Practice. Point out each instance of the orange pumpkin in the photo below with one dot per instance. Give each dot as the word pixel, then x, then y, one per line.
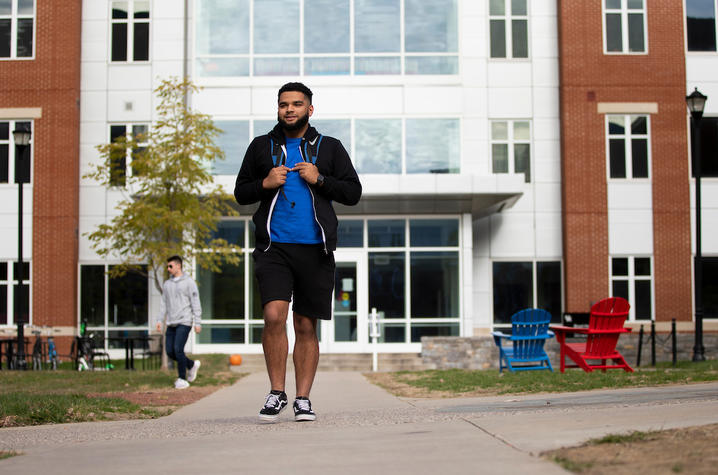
pixel 235 360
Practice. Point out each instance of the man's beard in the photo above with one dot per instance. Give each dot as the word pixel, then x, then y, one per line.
pixel 298 124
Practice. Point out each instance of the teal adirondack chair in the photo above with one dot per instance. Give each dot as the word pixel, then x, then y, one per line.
pixel 529 332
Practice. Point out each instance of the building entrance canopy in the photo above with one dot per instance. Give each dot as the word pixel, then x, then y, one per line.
pixel 430 194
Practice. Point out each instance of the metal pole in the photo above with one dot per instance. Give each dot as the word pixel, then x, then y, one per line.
pixel 673 340
pixel 22 364
pixel 653 343
pixel 698 349
pixel 640 346
pixel 374 333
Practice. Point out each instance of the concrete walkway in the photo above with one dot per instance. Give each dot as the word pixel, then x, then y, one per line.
pixel 360 429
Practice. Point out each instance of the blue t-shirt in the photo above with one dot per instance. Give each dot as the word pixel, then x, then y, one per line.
pixel 294 224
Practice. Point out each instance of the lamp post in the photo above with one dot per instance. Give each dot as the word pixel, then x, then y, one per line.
pixel 21 136
pixel 696 102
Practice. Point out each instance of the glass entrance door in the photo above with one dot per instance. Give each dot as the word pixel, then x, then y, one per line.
pixel 347 331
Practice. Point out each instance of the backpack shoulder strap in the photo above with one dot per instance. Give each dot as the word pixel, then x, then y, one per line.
pixel 311 149
pixel 276 151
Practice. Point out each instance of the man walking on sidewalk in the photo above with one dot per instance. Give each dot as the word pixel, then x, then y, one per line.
pixel 295 173
pixel 180 310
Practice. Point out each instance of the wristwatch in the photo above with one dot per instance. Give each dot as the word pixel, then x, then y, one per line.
pixel 320 180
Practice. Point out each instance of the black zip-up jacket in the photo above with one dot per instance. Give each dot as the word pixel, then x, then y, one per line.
pixel 341 183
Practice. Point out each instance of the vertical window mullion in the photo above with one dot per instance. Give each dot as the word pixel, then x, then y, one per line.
pixel 407 282
pixel 352 56
pixel 402 40
pixel 301 37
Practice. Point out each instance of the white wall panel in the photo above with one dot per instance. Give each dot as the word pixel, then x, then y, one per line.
pixel 94 40
pixel 141 108
pixel 547 161
pixel 630 231
pixel 549 240
pixel 223 102
pixel 433 100
pixel 510 103
pixel 512 235
pixel 545 72
pixel 93 76
pixel 93 106
pixel 546 103
pixel 629 195
pixel 129 77
pixel 94 202
pixel 357 101
pixel 506 74
pixel 165 70
pixel 548 197
pixel 94 10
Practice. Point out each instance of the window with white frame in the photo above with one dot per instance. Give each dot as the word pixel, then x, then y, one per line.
pixel 511 147
pixel 12 169
pixel 391 145
pixel 631 278
pixel 326 37
pixel 113 307
pixel 624 26
pixel 526 284
pixel 701 25
pixel 121 161
pixel 231 304
pixel 130 31
pixel 508 28
pixel 11 292
pixel 628 146
pixel 17 29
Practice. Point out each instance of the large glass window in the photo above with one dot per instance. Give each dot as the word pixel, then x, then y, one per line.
pixel 233 141
pixel 108 303
pixel 708 147
pixel 628 150
pixel 710 287
pixel 631 278
pixel 326 37
pixel 520 285
pixel 231 305
pixel 130 31
pixel 414 278
pixel 701 25
pixel 511 147
pixel 508 28
pixel 11 293
pixel 13 167
pixel 624 26
pixel 17 29
pixel 121 161
pixel 432 146
pixel 378 146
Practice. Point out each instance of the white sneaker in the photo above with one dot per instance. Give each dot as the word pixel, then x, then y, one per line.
pixel 192 372
pixel 181 384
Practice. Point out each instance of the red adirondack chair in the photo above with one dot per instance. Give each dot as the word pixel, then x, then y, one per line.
pixel 605 325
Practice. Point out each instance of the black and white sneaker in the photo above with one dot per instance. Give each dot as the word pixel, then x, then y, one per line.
pixel 303 410
pixel 275 402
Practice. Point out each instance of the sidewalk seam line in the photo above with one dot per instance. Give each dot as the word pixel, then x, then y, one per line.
pixel 496 436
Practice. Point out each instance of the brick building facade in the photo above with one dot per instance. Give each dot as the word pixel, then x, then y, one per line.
pixel 44 89
pixel 596 83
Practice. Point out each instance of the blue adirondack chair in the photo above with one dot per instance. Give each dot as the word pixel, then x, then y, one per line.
pixel 529 332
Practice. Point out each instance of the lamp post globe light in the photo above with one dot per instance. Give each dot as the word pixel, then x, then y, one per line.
pixel 21 137
pixel 696 103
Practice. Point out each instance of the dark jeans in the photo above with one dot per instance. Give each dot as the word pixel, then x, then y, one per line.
pixel 176 337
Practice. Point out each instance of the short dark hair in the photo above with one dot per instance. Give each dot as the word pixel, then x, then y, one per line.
pixel 298 87
pixel 175 259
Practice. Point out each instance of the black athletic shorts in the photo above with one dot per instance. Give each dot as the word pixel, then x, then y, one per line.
pixel 304 271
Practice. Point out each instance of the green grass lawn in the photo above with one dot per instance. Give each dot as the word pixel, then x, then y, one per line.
pixel 65 395
pixel 459 382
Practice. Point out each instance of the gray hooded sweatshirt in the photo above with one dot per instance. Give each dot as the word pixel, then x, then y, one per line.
pixel 180 302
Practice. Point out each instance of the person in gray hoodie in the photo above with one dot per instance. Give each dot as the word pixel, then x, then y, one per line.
pixel 180 310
